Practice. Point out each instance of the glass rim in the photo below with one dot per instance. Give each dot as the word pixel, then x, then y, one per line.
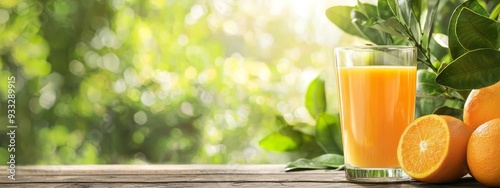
pixel 375 47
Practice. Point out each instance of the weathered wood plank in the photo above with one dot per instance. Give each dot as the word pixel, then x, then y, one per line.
pixel 208 185
pixel 189 176
pixel 297 177
pixel 146 169
pixel 331 178
pixel 237 184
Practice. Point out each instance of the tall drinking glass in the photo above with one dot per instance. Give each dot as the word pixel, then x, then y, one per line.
pixel 377 88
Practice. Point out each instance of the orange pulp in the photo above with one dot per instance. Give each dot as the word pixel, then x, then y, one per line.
pixel 377 103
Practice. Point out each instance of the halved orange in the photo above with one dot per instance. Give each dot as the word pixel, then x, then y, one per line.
pixel 433 149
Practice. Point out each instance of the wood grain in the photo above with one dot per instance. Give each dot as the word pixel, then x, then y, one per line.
pixel 189 176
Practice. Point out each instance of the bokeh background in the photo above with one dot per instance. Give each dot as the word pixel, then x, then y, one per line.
pixel 160 81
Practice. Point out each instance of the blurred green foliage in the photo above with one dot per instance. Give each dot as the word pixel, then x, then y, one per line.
pixel 129 81
pixel 324 138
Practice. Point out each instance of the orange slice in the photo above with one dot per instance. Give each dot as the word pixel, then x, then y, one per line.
pixel 433 149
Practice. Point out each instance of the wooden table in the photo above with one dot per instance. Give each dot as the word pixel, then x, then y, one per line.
pixel 189 176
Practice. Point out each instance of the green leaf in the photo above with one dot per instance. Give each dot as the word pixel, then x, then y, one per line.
pixel 440 50
pixel 495 12
pixel 341 17
pixel 328 133
pixel 408 19
pixel 416 7
pixel 369 33
pixel 384 10
pixel 454 103
pixel 305 128
pixel 475 31
pixel 278 142
pixel 322 162
pixel 395 25
pixel 419 9
pixel 361 8
pixel 366 13
pixel 429 26
pixel 288 130
pixel 445 110
pixel 286 139
pixel 456 49
pixel 393 6
pixel 461 94
pixel 309 146
pixel 316 97
pixel 281 122
pixel 357 15
pixel 426 83
pixel 405 9
pixel 473 70
pixel 427 105
pixel 304 164
pixel 388 30
pixel 441 39
pixel 364 16
pixel 368 10
pixel 330 160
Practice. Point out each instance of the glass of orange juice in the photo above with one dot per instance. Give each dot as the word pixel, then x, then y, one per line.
pixel 377 88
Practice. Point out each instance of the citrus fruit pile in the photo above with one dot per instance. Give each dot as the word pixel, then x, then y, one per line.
pixel 442 149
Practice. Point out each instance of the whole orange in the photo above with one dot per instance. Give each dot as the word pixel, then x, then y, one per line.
pixel 483 153
pixel 433 149
pixel 482 105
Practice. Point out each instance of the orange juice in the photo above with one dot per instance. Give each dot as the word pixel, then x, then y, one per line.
pixel 377 103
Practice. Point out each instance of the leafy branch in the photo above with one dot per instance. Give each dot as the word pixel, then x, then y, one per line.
pixel 412 22
pixel 465 58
